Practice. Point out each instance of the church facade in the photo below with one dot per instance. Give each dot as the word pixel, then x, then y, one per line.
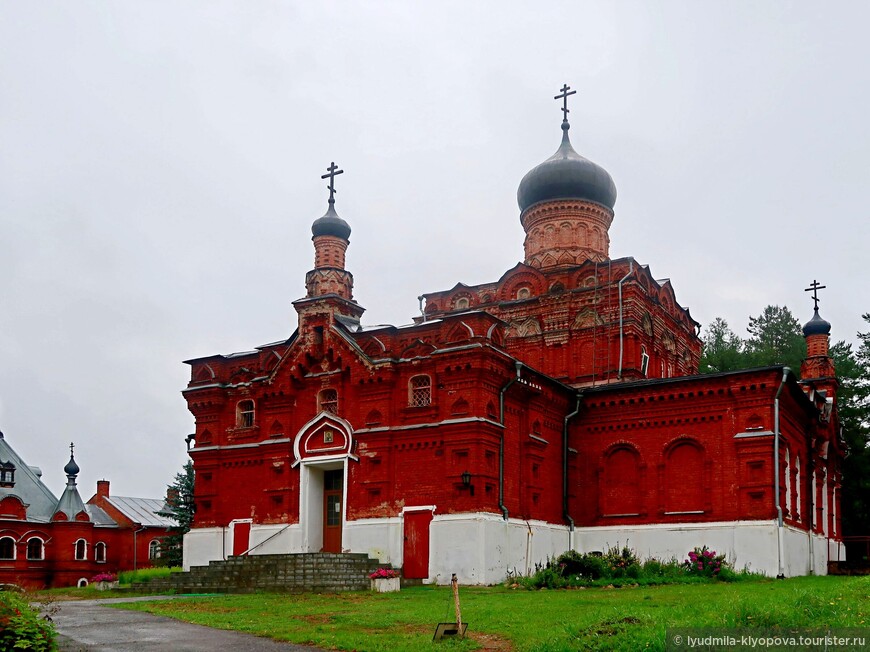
pixel 556 408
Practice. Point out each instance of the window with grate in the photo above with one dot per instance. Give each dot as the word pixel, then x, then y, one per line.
pixel 328 399
pixel 420 391
pixel 245 418
pixel 35 549
pixel 154 549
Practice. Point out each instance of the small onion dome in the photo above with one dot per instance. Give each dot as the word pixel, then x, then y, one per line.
pixel 566 175
pixel 71 467
pixel 817 326
pixel 331 224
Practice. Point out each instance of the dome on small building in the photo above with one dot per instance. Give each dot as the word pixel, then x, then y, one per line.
pixel 331 224
pixel 817 326
pixel 566 175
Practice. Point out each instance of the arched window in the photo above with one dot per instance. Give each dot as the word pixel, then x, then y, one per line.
pixel 620 490
pixel 523 293
pixel 100 552
pixel 245 414
pixel 684 478
pixel 328 401
pixel 35 549
pixel 420 391
pixel 7 548
pixel 787 481
pixel 154 549
pixel 81 550
pixel 462 303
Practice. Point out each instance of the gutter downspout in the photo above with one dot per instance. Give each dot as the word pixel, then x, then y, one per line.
pixel 619 286
pixel 811 471
pixel 565 513
pixel 780 574
pixel 501 505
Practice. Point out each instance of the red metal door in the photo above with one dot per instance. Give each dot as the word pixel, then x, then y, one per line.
pixel 241 537
pixel 333 482
pixel 416 548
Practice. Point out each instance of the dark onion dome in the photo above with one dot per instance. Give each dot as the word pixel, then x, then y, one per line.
pixel 71 467
pixel 566 175
pixel 331 224
pixel 817 326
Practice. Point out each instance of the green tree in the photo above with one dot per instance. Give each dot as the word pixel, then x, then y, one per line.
pixel 775 337
pixel 180 507
pixel 723 349
pixel 853 407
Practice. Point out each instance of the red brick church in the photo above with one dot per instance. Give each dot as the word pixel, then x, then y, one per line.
pixel 47 541
pixel 559 407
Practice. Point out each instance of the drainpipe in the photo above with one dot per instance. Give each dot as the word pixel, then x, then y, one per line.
pixel 619 286
pixel 565 513
pixel 501 505
pixel 811 469
pixel 780 574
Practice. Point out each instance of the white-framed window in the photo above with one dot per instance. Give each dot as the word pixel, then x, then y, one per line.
pixel 81 551
pixel 154 549
pixel 7 474
pixel 644 361
pixel 7 548
pixel 245 414
pixel 420 391
pixel 100 552
pixel 35 549
pixel 327 400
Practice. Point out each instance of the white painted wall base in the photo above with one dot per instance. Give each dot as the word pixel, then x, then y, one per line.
pixel 482 548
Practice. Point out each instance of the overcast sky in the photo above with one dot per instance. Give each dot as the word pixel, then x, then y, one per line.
pixel 160 169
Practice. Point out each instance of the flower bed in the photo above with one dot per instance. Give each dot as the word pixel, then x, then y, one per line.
pixel 385 580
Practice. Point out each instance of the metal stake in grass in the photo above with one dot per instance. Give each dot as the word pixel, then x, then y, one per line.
pixel 452 630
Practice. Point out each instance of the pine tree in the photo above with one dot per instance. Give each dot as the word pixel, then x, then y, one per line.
pixel 853 406
pixel 180 507
pixel 723 349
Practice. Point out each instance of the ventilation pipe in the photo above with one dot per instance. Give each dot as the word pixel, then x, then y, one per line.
pixel 780 574
pixel 501 505
pixel 619 286
pixel 565 513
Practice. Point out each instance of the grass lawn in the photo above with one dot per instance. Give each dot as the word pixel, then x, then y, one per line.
pixel 514 619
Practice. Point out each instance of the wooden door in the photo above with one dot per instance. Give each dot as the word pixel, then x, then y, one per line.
pixel 416 545
pixel 333 482
pixel 241 537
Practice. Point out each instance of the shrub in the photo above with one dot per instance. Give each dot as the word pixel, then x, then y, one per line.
pixel 587 566
pixel 21 627
pixel 703 561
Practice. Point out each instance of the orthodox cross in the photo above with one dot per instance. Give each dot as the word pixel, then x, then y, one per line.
pixel 71 447
pixel 333 172
pixel 564 97
pixel 814 288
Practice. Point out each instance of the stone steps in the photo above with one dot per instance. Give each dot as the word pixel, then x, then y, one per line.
pixel 320 572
